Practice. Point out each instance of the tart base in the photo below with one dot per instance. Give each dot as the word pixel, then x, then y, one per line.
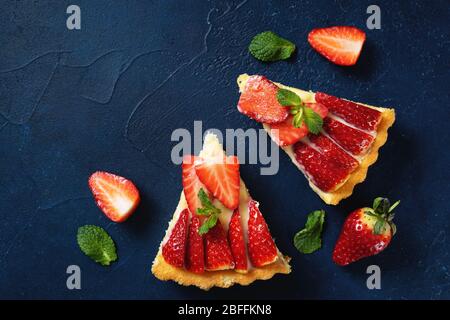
pixel 360 174
pixel 208 279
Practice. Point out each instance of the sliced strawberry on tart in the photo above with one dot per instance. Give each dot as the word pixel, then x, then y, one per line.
pixel 217 236
pixel 332 141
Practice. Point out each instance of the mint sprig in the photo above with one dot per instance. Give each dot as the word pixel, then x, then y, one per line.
pixel 300 111
pixel 268 46
pixel 208 210
pixel 309 239
pixel 96 243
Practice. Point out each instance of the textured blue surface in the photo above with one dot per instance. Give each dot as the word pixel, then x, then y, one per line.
pixel 108 97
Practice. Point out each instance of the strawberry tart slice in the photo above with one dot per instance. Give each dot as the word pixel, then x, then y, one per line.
pixel 217 236
pixel 332 141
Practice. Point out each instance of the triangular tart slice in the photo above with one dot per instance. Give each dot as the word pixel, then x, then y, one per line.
pixel 239 249
pixel 338 157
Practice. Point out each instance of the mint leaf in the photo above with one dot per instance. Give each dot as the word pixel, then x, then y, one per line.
pixel 96 243
pixel 312 120
pixel 308 239
pixel 301 112
pixel 288 98
pixel 208 210
pixel 208 224
pixel 298 118
pixel 268 46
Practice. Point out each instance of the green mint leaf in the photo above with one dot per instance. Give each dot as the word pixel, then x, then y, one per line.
pixel 208 210
pixel 96 243
pixel 309 239
pixel 288 98
pixel 268 46
pixel 378 228
pixel 208 224
pixel 312 119
pixel 298 118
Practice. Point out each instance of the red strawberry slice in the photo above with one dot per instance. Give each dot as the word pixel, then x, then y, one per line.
pixel 259 101
pixel 191 183
pixel 174 249
pixel 285 134
pixel 341 45
pixel 195 258
pixel 261 247
pixel 356 114
pixel 222 179
pixel 353 140
pixel 237 242
pixel 116 196
pixel 325 163
pixel 217 251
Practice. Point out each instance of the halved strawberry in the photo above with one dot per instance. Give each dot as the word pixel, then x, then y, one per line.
pixel 261 247
pixel 237 242
pixel 191 183
pixel 259 101
pixel 116 196
pixel 174 249
pixel 195 257
pixel 221 178
pixel 217 251
pixel 285 134
pixel 341 45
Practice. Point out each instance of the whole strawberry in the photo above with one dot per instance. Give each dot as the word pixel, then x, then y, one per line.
pixel 366 232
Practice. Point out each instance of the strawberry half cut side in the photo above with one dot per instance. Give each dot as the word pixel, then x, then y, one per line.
pixel 259 101
pixel 191 183
pixel 360 116
pixel 174 249
pixel 237 242
pixel 261 247
pixel 341 45
pixel 355 141
pixel 285 133
pixel 325 163
pixel 217 251
pixel 222 179
pixel 116 196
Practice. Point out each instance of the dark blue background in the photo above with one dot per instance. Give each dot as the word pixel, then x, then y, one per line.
pixel 108 97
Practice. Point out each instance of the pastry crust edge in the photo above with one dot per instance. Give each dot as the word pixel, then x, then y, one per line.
pixel 360 174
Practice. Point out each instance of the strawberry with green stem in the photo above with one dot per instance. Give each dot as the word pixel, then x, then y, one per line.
pixel 366 232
